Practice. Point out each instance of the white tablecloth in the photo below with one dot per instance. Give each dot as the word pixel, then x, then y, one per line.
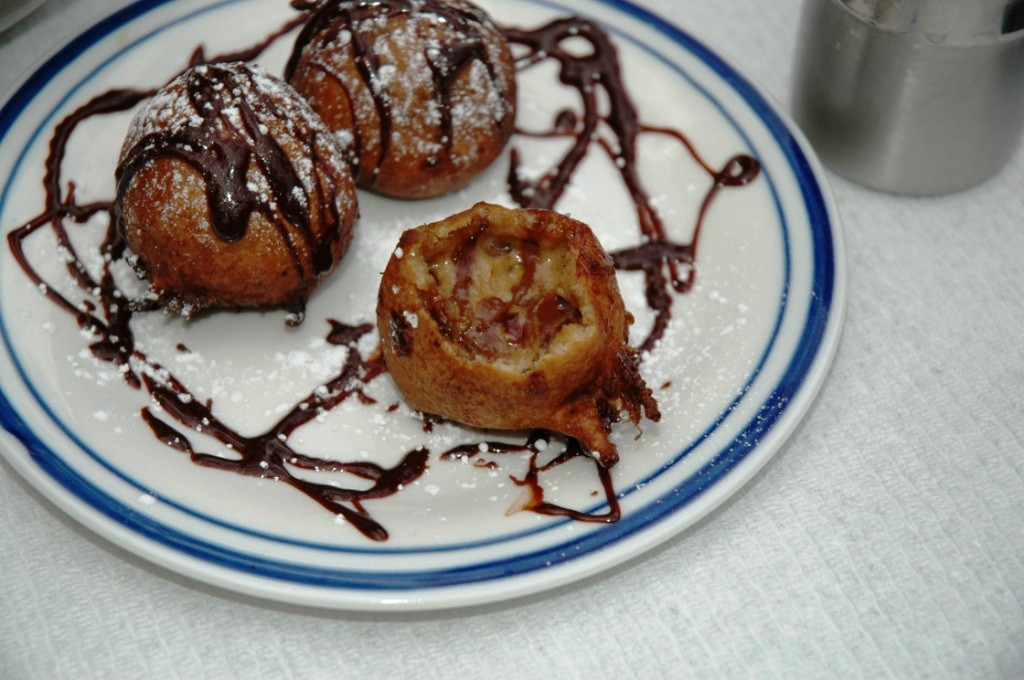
pixel 886 539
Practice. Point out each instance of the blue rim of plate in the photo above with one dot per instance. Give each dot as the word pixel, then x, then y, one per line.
pixel 768 416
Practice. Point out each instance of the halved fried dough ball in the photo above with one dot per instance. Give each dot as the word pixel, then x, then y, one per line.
pixel 232 193
pixel 423 90
pixel 512 319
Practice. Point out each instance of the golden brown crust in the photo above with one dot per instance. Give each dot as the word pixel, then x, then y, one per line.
pixel 425 104
pixel 511 319
pixel 201 246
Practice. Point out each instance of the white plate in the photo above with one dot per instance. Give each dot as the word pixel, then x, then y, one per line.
pixel 747 351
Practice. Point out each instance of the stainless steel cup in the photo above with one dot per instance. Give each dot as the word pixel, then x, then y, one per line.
pixel 911 96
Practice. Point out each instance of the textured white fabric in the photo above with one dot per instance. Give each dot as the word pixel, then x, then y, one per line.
pixel 886 539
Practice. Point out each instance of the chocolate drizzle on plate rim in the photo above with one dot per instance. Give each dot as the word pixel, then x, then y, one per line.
pixel 105 312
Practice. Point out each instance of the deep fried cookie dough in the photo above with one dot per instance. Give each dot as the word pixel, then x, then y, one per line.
pixel 422 91
pixel 232 193
pixel 512 319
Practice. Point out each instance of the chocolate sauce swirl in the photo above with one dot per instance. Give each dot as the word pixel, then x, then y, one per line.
pixel 109 319
pixel 588 72
pixel 270 456
pixel 105 313
pixel 536 444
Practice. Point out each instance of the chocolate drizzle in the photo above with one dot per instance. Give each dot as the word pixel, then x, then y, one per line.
pixel 267 455
pixel 108 318
pixel 660 259
pixel 446 59
pixel 536 444
pixel 105 311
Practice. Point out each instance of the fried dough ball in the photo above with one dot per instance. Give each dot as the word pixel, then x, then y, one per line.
pixel 424 90
pixel 512 319
pixel 232 193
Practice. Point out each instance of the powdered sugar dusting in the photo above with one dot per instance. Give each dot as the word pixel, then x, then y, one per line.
pixel 426 81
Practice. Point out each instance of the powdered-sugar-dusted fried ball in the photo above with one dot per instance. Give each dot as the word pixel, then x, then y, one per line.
pixel 232 193
pixel 423 90
pixel 512 319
